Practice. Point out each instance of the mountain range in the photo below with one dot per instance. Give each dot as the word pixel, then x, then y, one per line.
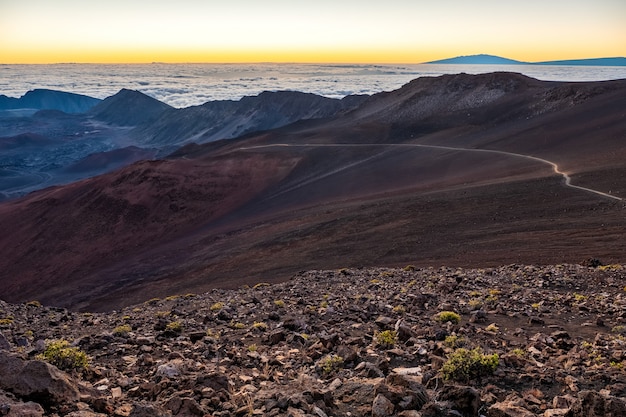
pixel 456 170
pixel 484 59
pixel 80 137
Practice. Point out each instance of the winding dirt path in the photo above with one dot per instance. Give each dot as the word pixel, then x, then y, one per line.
pixel 567 179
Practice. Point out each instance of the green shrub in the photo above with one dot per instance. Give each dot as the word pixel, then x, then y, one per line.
pixel 449 316
pixel 7 321
pixel 330 364
pixel 174 326
pixel 122 330
pixel 386 338
pixel 464 365
pixel 259 325
pixel 454 341
pixel 217 306
pixel 152 301
pixel 60 354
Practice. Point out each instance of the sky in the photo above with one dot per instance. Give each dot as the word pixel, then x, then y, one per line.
pixel 333 31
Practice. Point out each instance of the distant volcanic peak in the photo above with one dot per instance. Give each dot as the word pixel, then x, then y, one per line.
pixel 478 59
pixel 129 108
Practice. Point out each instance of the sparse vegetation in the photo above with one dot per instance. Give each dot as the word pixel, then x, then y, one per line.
pixel 449 316
pixel 216 306
pixel 6 321
pixel 60 354
pixel 399 309
pixel 519 352
pixel 259 325
pixel 174 326
pixel 464 365
pixel 122 330
pixel 386 339
pixel 330 364
pixel 279 303
pixel 454 341
pixel 492 328
pixel 153 301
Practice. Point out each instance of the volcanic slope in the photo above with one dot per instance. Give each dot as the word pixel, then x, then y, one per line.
pixel 463 170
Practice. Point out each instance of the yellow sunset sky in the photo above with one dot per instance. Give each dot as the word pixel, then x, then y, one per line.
pixel 337 31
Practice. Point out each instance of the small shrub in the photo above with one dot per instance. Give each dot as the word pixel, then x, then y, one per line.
pixel 449 316
pixel 454 341
pixel 261 284
pixel 174 326
pixel 619 329
pixel 579 297
pixel 217 306
pixel 252 348
pixel 519 352
pixel 475 303
pixel 409 268
pixel 237 325
pixel 464 365
pixel 172 297
pixel 259 325
pixel 7 321
pixel 279 303
pixel 492 328
pixel 211 333
pixel 330 364
pixel 122 331
pixel 152 301
pixel 60 354
pixel 33 303
pixel 386 338
pixel 399 309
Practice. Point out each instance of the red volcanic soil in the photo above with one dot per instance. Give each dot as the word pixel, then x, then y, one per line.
pixel 254 209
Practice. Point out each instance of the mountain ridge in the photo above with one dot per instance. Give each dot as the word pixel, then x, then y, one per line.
pixel 45 99
pixel 485 59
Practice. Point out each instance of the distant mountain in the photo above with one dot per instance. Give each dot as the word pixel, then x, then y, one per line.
pixel 600 62
pixel 43 99
pixel 225 119
pixel 478 59
pixel 497 60
pixel 129 108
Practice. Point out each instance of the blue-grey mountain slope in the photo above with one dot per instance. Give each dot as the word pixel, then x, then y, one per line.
pixel 43 99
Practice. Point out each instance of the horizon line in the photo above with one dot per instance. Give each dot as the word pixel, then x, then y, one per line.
pixel 302 62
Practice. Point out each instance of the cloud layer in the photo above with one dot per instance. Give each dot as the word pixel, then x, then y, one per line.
pixel 183 85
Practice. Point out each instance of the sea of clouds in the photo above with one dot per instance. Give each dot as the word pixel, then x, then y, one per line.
pixel 183 85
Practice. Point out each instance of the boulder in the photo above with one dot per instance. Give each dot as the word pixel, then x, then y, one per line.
pixel 36 380
pixel 594 404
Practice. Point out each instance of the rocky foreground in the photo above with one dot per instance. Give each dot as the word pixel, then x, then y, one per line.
pixel 335 343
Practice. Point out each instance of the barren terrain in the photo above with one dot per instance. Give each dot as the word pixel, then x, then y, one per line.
pixel 361 189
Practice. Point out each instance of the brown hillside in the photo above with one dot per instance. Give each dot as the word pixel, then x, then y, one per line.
pixel 352 191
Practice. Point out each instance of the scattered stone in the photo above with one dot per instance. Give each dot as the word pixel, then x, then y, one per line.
pixel 382 407
pixel 217 367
